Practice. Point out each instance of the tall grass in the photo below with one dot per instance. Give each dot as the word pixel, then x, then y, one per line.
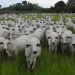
pixel 47 64
pixel 56 17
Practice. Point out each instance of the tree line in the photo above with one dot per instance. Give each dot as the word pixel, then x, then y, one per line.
pixel 59 7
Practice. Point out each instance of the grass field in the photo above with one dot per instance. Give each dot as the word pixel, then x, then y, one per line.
pixel 47 64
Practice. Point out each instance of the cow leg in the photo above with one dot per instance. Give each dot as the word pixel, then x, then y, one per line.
pixel 55 49
pixel 9 53
pixel 31 62
pixel 31 65
pixel 49 48
pixel 16 53
pixel 34 62
pixel 72 49
pixel 28 63
pixel 46 42
pixel 64 47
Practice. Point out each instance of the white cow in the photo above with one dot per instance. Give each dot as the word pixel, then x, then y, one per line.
pixel 4 33
pixel 15 32
pixel 38 33
pixel 52 38
pixel 2 42
pixel 67 40
pixel 59 31
pixel 70 25
pixel 14 46
pixel 32 51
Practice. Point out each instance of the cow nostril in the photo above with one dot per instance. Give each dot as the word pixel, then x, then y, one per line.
pixel 53 43
pixel 64 43
pixel 5 51
pixel 34 29
pixel 35 52
pixel 73 44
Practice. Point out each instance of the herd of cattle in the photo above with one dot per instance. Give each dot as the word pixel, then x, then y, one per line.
pixel 18 34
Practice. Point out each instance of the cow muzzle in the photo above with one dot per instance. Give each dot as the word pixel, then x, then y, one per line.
pixel 5 52
pixel 35 52
pixel 64 43
pixel 53 43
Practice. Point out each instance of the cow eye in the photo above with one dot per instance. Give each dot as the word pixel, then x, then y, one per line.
pixel 25 34
pixel 31 31
pixel 69 37
pixel 63 27
pixel 38 45
pixel 7 28
pixel 47 28
pixel 20 30
pixel 1 43
pixel 56 37
pixel 24 31
pixel 49 37
pixel 43 26
pixel 57 26
pixel 27 45
pixel 13 29
pixel 9 43
pixel 3 27
pixel 19 26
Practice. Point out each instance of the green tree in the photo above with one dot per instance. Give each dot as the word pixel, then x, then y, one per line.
pixel 24 2
pixel 71 2
pixel 60 4
pixel 18 7
pixel 0 6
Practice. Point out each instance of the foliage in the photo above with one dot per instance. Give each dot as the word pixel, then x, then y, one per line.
pixel 24 2
pixel 59 7
pixel 47 64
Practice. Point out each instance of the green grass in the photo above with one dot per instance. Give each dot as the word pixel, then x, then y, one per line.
pixel 56 17
pixel 71 29
pixel 70 16
pixel 47 64
pixel 34 18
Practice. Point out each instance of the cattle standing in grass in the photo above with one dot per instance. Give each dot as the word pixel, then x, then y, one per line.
pixel 32 51
pixel 67 40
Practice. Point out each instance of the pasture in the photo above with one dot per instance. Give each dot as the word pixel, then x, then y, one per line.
pixel 47 64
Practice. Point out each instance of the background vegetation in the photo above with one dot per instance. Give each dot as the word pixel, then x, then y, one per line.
pixel 47 63
pixel 59 7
